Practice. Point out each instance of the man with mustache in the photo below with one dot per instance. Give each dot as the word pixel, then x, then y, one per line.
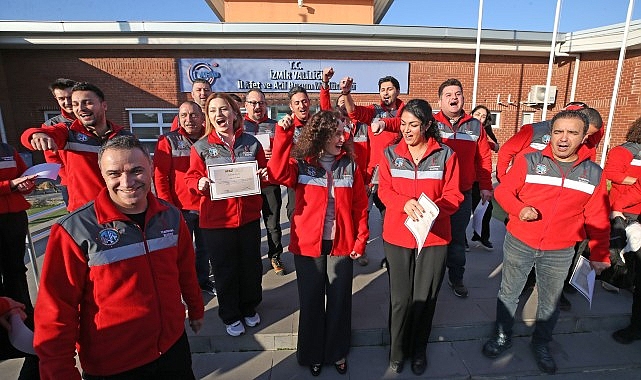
pixel 79 142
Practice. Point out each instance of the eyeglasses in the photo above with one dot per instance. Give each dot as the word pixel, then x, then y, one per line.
pixel 254 104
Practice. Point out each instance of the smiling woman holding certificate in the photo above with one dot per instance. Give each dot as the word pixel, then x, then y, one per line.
pixel 418 164
pixel 224 168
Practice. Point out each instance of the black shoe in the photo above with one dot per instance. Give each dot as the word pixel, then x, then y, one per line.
pixel 209 288
pixel 544 360
pixel 626 335
pixel 315 369
pixel 486 245
pixel 396 366
pixel 341 367
pixel 459 289
pixel 497 345
pixel 419 364
pixel 564 303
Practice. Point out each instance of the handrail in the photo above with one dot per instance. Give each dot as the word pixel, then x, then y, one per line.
pixel 31 250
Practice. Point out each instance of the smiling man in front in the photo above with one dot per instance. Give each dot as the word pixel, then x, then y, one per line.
pixel 554 198
pixel 112 281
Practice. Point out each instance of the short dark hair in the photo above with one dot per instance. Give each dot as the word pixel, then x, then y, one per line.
pixel 85 86
pixel 634 132
pixel 257 90
pixel 62 84
pixel 236 97
pixel 201 80
pixel 123 142
pixel 594 117
pixel 389 78
pixel 447 83
pixel 571 115
pixel 296 90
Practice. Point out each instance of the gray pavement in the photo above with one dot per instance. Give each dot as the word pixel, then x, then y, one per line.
pixel 582 344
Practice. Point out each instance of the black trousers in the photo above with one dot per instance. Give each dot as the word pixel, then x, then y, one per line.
pixel 272 203
pixel 237 269
pixel 414 286
pixel 324 327
pixel 291 201
pixel 175 364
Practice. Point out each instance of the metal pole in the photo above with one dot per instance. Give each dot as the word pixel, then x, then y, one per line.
pixel 478 53
pixel 575 77
pixel 617 82
pixel 551 61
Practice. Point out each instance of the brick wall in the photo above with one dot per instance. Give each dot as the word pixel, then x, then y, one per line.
pixel 149 79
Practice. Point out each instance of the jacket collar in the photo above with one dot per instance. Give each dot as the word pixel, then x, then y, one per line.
pixel 106 210
pixel 78 127
pixel 399 104
pixel 247 118
pixel 69 116
pixel 213 137
pixel 440 116
pixel 583 154
pixel 403 150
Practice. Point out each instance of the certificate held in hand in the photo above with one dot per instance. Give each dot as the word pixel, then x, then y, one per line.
pixel 421 228
pixel 237 179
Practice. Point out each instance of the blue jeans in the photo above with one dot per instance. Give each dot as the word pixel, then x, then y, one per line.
pixel 551 268
pixel 202 256
pixel 456 249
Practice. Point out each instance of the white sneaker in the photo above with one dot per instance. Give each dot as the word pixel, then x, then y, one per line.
pixel 235 329
pixel 252 321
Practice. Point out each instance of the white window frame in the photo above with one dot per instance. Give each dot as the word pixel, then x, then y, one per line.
pixel 529 115
pixel 159 125
pixel 50 114
pixel 496 119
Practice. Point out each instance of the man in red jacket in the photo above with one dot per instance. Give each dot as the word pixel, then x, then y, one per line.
pixel 554 197
pixel 466 136
pixel 80 142
pixel 171 162
pixel 114 277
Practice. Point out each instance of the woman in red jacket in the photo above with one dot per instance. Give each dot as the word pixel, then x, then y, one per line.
pixel 328 231
pixel 13 232
pixel 231 226
pixel 419 163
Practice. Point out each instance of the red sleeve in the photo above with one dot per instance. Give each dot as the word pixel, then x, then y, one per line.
pixel 163 165
pixel 59 133
pixel 451 196
pixel 4 306
pixel 509 150
pixel 197 170
pixel 597 224
pixel 392 124
pixel 483 162
pixel 617 164
pixel 507 191
pixel 360 214
pixel 632 197
pixel 325 100
pixel 187 274
pixel 281 168
pixel 363 114
pixel 57 309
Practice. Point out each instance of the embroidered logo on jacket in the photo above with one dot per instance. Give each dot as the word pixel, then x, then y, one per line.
pixel 81 137
pixel 399 162
pixel 182 144
pixel 109 236
pixel 546 139
pixel 213 151
pixel 311 171
pixel 541 169
pixel 166 233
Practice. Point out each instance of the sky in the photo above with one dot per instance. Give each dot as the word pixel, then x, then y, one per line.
pixel 523 15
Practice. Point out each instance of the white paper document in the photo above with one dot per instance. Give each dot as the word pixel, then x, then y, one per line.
pixel 477 217
pixel 421 228
pixel 20 336
pixel 583 278
pixel 43 171
pixel 263 139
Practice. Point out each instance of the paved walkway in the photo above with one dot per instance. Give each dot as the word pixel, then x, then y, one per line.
pixel 582 346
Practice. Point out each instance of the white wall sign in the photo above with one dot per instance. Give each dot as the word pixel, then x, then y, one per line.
pixel 279 75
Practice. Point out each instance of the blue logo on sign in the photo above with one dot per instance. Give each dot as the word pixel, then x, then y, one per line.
pixel 109 236
pixel 203 70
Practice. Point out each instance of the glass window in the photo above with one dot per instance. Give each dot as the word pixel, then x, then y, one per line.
pixel 50 114
pixel 528 118
pixel 496 119
pixel 148 124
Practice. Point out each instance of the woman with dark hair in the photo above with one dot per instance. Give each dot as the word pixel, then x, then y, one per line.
pixel 230 227
pixel 328 231
pixel 483 114
pixel 419 163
